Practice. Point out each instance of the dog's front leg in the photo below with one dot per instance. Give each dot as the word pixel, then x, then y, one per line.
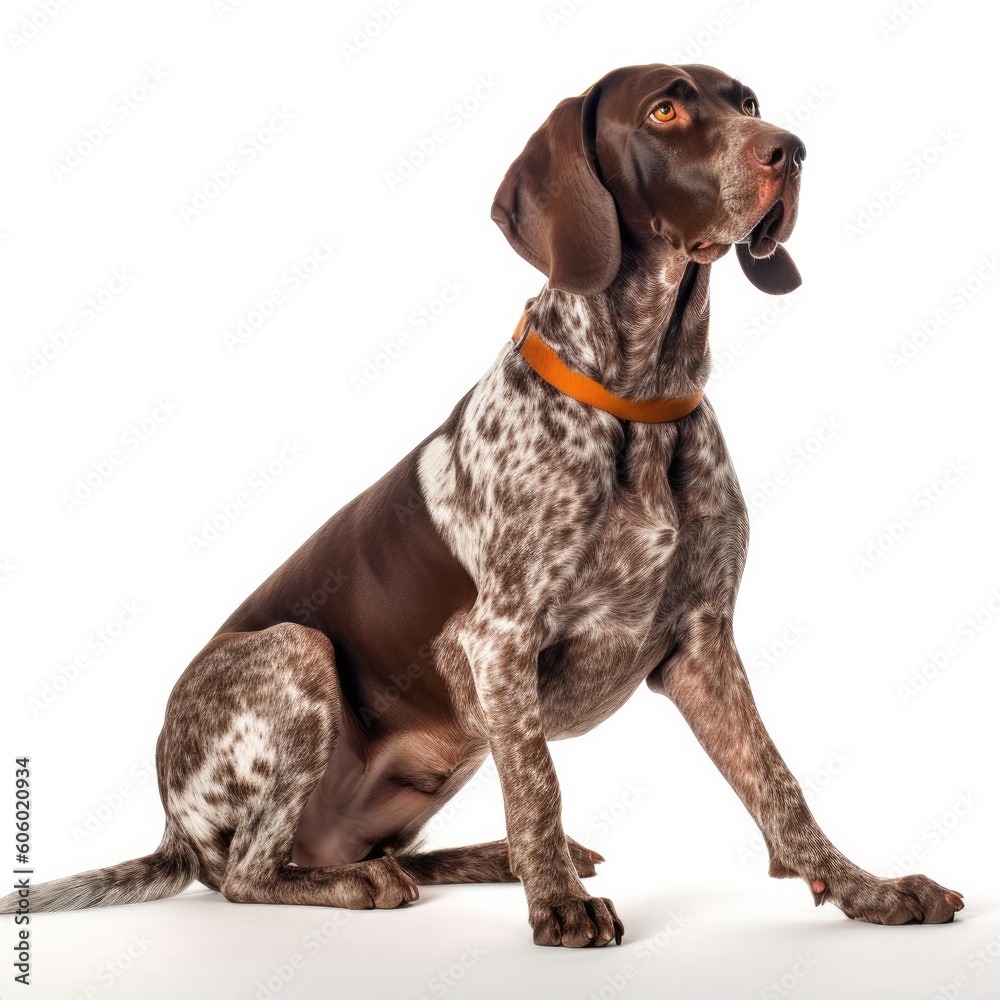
pixel 707 682
pixel 504 662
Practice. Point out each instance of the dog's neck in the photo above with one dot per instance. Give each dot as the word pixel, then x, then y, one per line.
pixel 645 335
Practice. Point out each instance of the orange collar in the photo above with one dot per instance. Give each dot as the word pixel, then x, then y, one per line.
pixel 550 367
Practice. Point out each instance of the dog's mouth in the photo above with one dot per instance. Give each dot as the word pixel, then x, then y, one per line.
pixel 761 240
pixel 766 234
pixel 707 251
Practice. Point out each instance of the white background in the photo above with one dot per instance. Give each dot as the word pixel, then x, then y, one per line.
pixel 898 121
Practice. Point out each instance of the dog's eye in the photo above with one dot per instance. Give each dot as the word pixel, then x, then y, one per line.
pixel 750 107
pixel 663 112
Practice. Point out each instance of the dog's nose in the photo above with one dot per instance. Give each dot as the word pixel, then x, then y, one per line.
pixel 779 151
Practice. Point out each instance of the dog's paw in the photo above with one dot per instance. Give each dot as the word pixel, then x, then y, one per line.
pixel 585 860
pixel 910 899
pixel 576 923
pixel 379 884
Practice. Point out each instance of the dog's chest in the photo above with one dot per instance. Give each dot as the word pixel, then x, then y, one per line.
pixel 624 559
pixel 577 536
pixel 574 513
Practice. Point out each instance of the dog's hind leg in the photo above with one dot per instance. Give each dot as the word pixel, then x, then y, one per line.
pixel 481 863
pixel 251 727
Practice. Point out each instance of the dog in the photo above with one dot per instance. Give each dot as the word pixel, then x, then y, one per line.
pixel 573 528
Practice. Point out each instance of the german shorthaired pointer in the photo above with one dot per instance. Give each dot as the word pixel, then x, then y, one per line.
pixel 574 528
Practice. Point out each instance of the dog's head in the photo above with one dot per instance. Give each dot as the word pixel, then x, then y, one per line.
pixel 672 158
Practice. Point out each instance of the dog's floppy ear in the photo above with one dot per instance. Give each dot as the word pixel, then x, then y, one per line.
pixel 553 208
pixel 775 275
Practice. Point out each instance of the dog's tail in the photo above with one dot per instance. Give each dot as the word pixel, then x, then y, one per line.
pixel 165 872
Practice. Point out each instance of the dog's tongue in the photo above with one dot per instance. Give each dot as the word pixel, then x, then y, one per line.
pixel 761 242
